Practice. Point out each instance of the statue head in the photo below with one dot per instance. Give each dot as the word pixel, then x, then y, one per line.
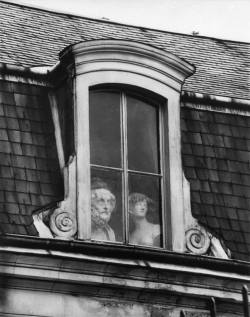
pixel 102 202
pixel 139 204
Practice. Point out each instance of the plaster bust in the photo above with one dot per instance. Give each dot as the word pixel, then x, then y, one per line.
pixel 103 203
pixel 144 232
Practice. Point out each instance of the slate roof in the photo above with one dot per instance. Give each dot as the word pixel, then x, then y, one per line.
pixel 32 37
pixel 29 170
pixel 215 146
pixel 216 160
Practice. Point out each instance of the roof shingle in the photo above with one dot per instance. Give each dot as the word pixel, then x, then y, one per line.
pixel 29 170
pixel 219 178
pixel 33 37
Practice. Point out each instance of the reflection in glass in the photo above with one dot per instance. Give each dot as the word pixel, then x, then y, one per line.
pixel 144 210
pixel 106 205
pixel 105 136
pixel 143 137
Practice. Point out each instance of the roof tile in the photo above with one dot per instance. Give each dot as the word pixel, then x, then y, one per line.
pixel 3 135
pixel 10 111
pixel 5 146
pixel 16 148
pixel 45 35
pixel 21 157
pixel 2 123
pixel 235 225
pixel 244 215
pixel 219 175
pixel 19 173
pixel 7 98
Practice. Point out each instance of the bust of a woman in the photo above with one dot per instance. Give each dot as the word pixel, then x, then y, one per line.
pixel 144 232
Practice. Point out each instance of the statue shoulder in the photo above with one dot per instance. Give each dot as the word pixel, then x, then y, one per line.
pixel 156 229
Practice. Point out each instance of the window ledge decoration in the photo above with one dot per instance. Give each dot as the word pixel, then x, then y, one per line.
pixel 60 222
pixel 197 238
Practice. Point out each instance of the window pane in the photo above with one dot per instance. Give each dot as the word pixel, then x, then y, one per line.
pixel 142 136
pixel 145 225
pixel 106 205
pixel 105 136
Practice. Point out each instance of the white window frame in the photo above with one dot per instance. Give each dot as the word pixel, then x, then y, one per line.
pixel 160 104
pixel 110 62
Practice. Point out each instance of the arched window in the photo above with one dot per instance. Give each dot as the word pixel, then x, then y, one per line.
pixel 123 179
pixel 126 157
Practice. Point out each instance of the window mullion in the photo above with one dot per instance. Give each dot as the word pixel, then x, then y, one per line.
pixel 107 167
pixel 162 153
pixel 125 164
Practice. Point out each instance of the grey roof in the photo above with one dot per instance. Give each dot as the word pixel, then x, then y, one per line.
pixel 32 37
pixel 216 156
pixel 29 170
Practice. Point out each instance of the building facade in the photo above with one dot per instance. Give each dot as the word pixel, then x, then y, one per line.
pixel 124 172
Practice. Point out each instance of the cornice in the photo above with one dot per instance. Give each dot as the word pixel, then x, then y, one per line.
pixel 128 52
pixel 77 248
pixel 56 267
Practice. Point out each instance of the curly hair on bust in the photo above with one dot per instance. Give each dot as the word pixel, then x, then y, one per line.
pixel 97 182
pixel 137 197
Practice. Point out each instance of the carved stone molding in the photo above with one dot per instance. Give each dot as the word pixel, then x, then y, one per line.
pixel 60 222
pixel 189 313
pixel 197 240
pixel 202 242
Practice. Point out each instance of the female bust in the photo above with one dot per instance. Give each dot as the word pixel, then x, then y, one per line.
pixel 144 232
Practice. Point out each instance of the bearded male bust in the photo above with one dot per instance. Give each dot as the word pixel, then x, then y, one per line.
pixel 103 203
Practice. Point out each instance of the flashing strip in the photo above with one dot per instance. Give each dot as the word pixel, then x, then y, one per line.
pixel 28 75
pixel 188 95
pixel 57 129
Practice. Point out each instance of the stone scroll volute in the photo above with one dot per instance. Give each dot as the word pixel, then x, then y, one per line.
pixel 63 223
pixel 197 240
pixel 60 221
pixel 63 219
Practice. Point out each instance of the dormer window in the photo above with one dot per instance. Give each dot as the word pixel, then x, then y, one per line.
pixel 124 179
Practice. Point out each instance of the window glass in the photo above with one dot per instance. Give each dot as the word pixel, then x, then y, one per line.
pixel 142 127
pixel 125 169
pixel 144 204
pixel 105 136
pixel 106 205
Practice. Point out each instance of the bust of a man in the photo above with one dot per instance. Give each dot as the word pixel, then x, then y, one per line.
pixel 102 205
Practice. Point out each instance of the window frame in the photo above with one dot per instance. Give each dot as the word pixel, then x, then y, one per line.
pixel 159 102
pixel 116 62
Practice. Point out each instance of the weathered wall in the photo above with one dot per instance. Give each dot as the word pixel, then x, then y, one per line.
pixel 30 303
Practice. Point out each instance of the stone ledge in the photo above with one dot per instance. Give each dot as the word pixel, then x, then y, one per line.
pixel 55 267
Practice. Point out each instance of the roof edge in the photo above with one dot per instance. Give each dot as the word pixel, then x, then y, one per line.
pixel 28 75
pixel 193 96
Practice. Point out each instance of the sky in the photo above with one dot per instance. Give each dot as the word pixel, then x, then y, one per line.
pixel 226 19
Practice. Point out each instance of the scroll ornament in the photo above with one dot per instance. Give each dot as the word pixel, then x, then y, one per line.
pixel 63 223
pixel 60 221
pixel 197 240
